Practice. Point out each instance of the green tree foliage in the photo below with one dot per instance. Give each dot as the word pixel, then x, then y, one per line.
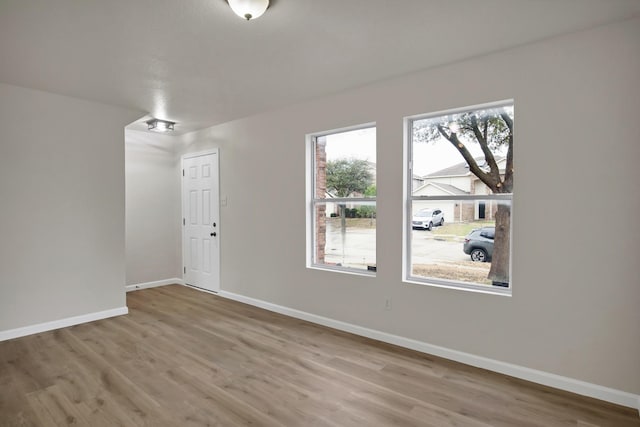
pixel 367 211
pixel 370 191
pixel 346 177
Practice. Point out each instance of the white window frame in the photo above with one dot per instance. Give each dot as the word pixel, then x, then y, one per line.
pixel 408 198
pixel 312 201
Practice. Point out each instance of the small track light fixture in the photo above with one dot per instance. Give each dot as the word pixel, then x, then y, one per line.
pixel 248 9
pixel 158 125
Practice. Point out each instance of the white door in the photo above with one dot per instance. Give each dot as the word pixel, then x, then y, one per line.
pixel 201 220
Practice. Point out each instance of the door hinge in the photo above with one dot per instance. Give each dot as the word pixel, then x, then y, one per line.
pixel 184 222
pixel 182 172
pixel 185 270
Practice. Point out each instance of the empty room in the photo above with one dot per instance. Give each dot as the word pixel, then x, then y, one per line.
pixel 319 213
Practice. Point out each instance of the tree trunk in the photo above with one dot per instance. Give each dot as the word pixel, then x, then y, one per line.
pixel 499 273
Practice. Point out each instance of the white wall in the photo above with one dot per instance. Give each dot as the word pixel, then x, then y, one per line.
pixel 574 310
pixel 153 212
pixel 62 207
pixel 461 182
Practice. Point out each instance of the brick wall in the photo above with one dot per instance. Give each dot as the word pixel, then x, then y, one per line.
pixel 468 211
pixel 321 188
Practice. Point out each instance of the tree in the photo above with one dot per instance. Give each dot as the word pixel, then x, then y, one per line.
pixel 492 129
pixel 346 177
pixel 371 191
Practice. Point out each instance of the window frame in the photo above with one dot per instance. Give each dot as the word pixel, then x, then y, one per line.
pixel 409 198
pixel 312 201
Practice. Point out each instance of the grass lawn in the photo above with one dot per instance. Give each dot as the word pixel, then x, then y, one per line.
pixel 467 272
pixel 352 223
pixel 460 229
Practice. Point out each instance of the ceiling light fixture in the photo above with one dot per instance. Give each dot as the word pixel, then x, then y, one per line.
pixel 158 125
pixel 248 9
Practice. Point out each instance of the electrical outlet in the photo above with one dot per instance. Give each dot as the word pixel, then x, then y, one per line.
pixel 387 304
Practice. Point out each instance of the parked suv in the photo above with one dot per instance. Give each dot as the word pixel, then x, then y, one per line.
pixel 479 244
pixel 426 218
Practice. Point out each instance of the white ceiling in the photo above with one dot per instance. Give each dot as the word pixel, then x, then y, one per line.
pixel 195 62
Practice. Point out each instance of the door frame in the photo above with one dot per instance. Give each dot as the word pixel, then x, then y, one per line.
pixel 216 209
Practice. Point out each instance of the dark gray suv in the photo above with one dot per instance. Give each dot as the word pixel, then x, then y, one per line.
pixel 479 244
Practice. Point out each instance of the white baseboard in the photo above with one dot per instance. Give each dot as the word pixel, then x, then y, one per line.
pixel 138 286
pixel 552 380
pixel 62 323
pixel 206 291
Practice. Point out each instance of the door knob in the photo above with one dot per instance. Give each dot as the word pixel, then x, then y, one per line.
pixel 213 234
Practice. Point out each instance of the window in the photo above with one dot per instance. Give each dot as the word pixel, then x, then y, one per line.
pixel 459 188
pixel 341 201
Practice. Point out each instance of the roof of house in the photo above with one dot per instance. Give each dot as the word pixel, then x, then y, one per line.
pixel 461 169
pixel 447 188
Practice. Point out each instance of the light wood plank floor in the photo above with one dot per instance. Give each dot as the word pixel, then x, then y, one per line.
pixel 186 358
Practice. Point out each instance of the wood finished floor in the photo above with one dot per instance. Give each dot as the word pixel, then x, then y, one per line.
pixel 186 358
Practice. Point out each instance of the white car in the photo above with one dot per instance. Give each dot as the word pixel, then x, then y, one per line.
pixel 425 219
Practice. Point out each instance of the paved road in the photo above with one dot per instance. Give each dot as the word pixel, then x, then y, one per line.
pixel 428 247
pixel 357 246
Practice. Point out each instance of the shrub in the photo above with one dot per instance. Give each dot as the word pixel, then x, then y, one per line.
pixel 366 212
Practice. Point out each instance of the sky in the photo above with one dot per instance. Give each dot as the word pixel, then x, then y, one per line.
pixel 428 157
pixel 360 144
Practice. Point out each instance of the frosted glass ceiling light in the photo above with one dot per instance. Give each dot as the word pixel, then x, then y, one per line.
pixel 248 9
pixel 158 125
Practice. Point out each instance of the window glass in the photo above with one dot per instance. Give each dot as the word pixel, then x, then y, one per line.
pixel 459 192
pixel 343 205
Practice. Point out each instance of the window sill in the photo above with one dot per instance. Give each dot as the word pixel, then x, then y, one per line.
pixel 504 292
pixel 344 270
